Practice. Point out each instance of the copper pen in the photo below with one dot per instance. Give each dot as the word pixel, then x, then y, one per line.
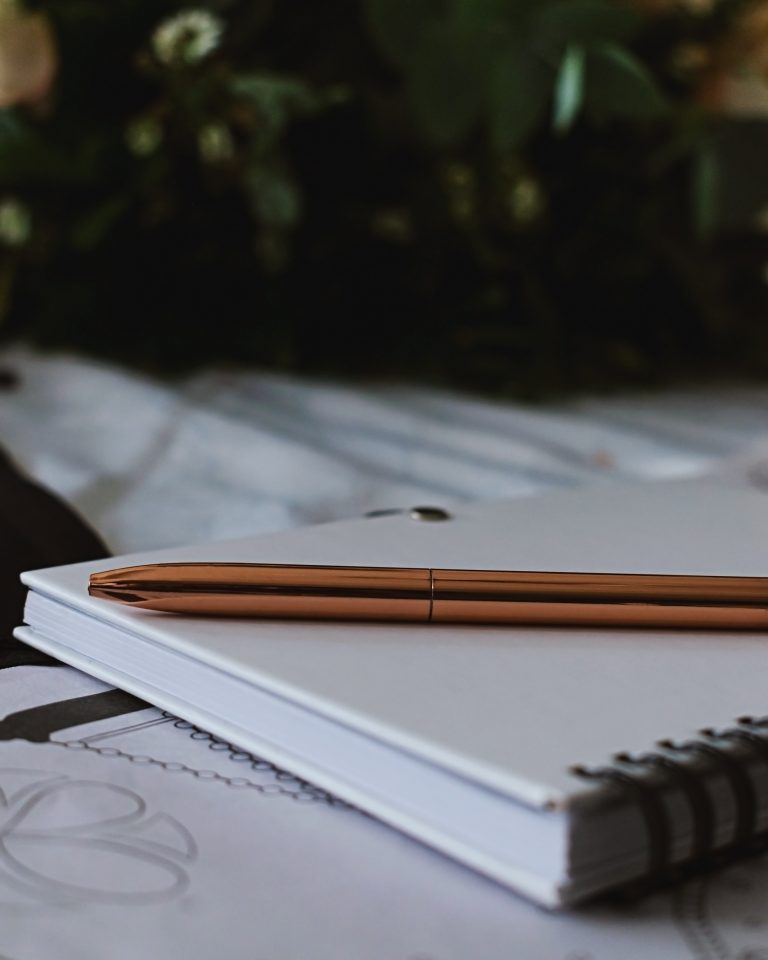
pixel 423 595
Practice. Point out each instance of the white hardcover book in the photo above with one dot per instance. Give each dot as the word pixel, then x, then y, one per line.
pixel 466 737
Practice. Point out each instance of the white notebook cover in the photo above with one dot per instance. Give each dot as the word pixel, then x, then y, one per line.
pixel 507 707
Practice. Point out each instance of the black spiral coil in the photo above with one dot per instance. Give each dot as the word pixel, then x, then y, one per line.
pixel 686 766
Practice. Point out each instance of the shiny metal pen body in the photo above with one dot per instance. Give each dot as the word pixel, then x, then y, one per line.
pixel 441 596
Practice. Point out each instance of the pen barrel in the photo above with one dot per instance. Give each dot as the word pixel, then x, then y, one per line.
pixel 584 599
pixel 267 591
pixel 415 595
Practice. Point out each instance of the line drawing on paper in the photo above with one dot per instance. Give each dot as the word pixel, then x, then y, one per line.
pixel 67 842
pixel 281 783
pixel 724 915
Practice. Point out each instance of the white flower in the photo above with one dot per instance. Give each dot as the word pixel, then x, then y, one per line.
pixel 215 143
pixel 15 222
pixel 525 200
pixel 144 136
pixel 187 37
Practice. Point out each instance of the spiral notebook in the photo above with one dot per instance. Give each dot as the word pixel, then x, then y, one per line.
pixel 561 762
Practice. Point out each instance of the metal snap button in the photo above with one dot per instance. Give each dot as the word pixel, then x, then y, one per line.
pixel 428 513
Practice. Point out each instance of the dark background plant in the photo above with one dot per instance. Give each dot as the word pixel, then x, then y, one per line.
pixel 512 195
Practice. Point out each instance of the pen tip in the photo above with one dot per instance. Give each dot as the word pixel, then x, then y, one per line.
pixel 111 585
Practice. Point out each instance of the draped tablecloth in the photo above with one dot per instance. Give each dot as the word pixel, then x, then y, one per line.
pixel 224 454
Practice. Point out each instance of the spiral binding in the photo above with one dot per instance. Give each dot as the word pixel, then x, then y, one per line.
pixel 684 766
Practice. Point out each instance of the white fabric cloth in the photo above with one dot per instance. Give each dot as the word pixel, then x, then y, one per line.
pixel 224 454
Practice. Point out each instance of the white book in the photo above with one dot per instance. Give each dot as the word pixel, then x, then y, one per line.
pixel 465 736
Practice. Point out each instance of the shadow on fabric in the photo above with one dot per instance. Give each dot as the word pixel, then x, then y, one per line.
pixel 37 529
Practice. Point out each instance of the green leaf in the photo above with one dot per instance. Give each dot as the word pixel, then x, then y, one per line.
pixel 496 17
pixel 272 91
pixel 400 27
pixel 447 86
pixel 618 85
pixel 278 100
pixel 92 227
pixel 569 89
pixel 584 22
pixel 519 90
pixel 11 128
pixel 274 196
pixel 705 187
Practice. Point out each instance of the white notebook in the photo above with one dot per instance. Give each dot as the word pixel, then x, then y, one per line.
pixel 464 736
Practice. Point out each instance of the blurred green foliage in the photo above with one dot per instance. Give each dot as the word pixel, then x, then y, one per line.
pixel 510 195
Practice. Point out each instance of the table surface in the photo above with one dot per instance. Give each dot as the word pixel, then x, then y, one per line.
pixel 127 833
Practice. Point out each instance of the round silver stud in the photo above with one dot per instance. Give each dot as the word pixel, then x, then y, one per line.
pixel 428 513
